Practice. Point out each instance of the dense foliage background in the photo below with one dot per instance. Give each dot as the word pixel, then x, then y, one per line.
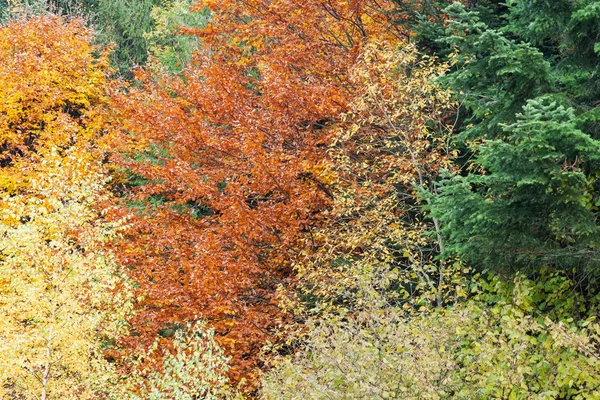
pixel 291 200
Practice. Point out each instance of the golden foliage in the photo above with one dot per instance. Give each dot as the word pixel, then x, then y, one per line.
pixel 393 141
pixel 59 286
pixel 54 93
pixel 63 298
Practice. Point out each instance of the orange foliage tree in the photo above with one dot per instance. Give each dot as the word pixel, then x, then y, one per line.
pixel 224 163
pixel 54 95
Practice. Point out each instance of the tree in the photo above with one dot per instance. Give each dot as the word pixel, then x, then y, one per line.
pixel 567 32
pixel 63 299
pixel 63 296
pixel 171 48
pixel 194 368
pixel 119 25
pixel 52 100
pixel 527 188
pixel 228 181
pixel 123 24
pixel 509 340
pixel 392 141
pixel 536 202
pixel 494 76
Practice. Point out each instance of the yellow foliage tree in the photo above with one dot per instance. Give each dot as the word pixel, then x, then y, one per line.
pixel 393 141
pixel 54 93
pixel 61 294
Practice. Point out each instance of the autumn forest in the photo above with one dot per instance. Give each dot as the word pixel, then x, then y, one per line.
pixel 299 199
